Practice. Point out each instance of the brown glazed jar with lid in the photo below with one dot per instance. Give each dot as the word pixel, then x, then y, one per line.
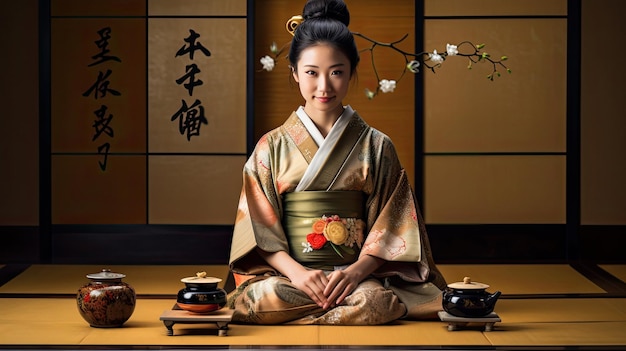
pixel 106 301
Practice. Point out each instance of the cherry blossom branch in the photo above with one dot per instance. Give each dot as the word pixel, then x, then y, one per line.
pixel 431 61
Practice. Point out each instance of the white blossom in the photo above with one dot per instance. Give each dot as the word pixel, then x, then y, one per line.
pixel 452 49
pixel 268 63
pixel 387 85
pixel 307 247
pixel 436 58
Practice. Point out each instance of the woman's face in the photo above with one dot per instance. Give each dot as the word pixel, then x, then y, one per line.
pixel 323 74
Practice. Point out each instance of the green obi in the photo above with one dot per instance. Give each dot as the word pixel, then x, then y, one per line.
pixel 333 219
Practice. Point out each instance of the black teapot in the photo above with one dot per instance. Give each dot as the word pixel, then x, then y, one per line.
pixel 469 299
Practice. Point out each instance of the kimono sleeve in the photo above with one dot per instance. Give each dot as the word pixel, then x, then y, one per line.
pixel 396 232
pixel 257 224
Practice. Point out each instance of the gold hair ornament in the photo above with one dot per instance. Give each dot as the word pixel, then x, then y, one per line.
pixel 293 23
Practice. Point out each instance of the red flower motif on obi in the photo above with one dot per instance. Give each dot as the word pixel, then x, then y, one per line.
pixel 316 240
pixel 341 234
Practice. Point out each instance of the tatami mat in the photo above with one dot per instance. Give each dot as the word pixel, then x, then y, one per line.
pixel 560 322
pixel 537 319
pixel 66 279
pixel 404 333
pixel 562 310
pixel 617 270
pixel 509 279
pixel 564 335
pixel 523 279
pixel 559 334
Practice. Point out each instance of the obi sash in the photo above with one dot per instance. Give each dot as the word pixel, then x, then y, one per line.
pixel 302 212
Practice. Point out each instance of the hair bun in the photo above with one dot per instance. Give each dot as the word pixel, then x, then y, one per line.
pixel 332 9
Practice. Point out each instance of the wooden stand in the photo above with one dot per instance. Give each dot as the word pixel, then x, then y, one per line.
pixel 455 323
pixel 220 317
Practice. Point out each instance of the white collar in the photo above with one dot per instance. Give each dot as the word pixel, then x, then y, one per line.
pixel 336 130
pixel 325 145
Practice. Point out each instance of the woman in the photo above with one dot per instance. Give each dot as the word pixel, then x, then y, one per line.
pixel 327 229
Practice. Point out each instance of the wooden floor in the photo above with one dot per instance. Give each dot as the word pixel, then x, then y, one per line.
pixel 542 307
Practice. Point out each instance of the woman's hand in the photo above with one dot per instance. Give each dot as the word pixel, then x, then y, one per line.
pixel 325 291
pixel 342 283
pixel 313 283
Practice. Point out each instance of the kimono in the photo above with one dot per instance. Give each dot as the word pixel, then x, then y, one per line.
pixel 356 159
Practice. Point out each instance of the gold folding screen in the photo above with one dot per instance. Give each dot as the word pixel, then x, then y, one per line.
pixel 148 113
pixel 495 151
pixel 505 137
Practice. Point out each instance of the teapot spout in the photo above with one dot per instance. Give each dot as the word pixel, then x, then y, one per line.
pixel 492 299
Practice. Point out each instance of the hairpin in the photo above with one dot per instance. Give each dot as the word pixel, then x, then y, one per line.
pixel 293 23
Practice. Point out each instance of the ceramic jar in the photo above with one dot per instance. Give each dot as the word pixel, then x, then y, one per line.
pixel 106 301
pixel 469 299
pixel 201 294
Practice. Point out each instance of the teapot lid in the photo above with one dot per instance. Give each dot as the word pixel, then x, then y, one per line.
pixel 467 283
pixel 201 278
pixel 106 274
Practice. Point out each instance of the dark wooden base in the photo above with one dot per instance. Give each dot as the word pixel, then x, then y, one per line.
pixel 221 318
pixel 456 323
